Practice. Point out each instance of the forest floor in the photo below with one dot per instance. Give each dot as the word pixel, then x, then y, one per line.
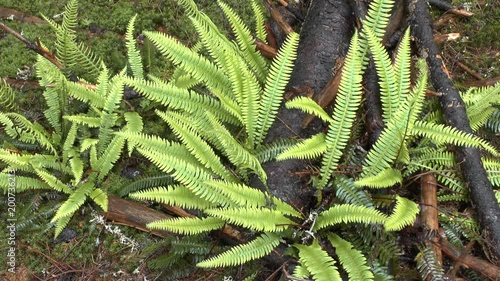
pixel 90 247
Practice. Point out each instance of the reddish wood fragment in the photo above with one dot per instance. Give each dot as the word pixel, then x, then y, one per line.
pixel 429 212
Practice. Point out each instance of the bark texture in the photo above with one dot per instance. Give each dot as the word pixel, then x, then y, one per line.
pixel 455 115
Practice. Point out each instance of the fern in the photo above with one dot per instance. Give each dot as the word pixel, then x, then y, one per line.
pixel 349 214
pixel 428 266
pixel 176 195
pixel 403 215
pixel 352 260
pixel 7 96
pixel 258 219
pixel 259 247
pixel 308 149
pixel 318 262
pixel 276 80
pixel 134 56
pixel 189 226
pixel 146 182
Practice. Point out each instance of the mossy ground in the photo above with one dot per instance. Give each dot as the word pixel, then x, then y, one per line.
pixel 101 25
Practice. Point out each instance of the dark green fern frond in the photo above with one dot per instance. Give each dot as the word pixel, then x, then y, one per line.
pixel 350 194
pixel 493 122
pixel 258 219
pixel 188 226
pixel 346 213
pixel 403 214
pixel 20 128
pixel 276 80
pixel 175 195
pixel 269 151
pixel 147 182
pixel 134 56
pixel 318 262
pixel 7 97
pixel 344 113
pixel 352 260
pixel 261 246
pixel 428 266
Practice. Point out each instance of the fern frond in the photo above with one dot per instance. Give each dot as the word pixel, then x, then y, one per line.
pixel 25 131
pixel 259 247
pixel 89 121
pixel 402 64
pixel 344 113
pixel 492 167
pixel 187 226
pixel 386 178
pixel 7 97
pixel 308 105
pixel 276 80
pixel 260 27
pixel 60 225
pixel 318 262
pixel 376 20
pixel 178 98
pixel 351 259
pixel 245 41
pixel 176 195
pixel 52 181
pixel 143 183
pixel 389 95
pixel 74 201
pixel 346 213
pixel 493 122
pixel 195 144
pixel 308 149
pixel 82 93
pixel 107 160
pixel 134 56
pixel 258 219
pixel 348 193
pixel 100 198
pixel 428 266
pixel 23 183
pixel 269 151
pixel 445 134
pixel 404 214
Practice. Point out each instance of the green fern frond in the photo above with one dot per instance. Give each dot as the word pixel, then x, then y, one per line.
pixel 77 166
pixel 260 25
pixel 346 213
pixel 245 42
pixel 402 65
pixel 318 262
pixel 259 247
pixel 445 134
pixel 187 226
pixel 147 182
pixel 376 20
pixel 308 105
pixel 404 214
pixel 89 121
pixel 389 95
pixel 386 178
pixel 52 181
pixel 61 224
pixel 107 160
pixel 493 122
pixel 176 195
pixel 68 145
pixel 258 219
pixel 351 259
pixel 308 149
pixel 347 103
pixel 276 80
pixel 236 153
pixel 100 198
pixel 492 167
pixel 83 94
pixel 7 97
pixel 22 129
pixel 195 144
pixel 74 201
pixel 178 98
pixel 23 183
pixel 269 151
pixel 134 56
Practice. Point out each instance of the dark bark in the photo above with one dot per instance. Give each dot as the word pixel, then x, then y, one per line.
pixel 325 36
pixel 455 115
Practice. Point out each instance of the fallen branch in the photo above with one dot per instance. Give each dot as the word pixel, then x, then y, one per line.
pixel 455 115
pixel 447 7
pixel 487 269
